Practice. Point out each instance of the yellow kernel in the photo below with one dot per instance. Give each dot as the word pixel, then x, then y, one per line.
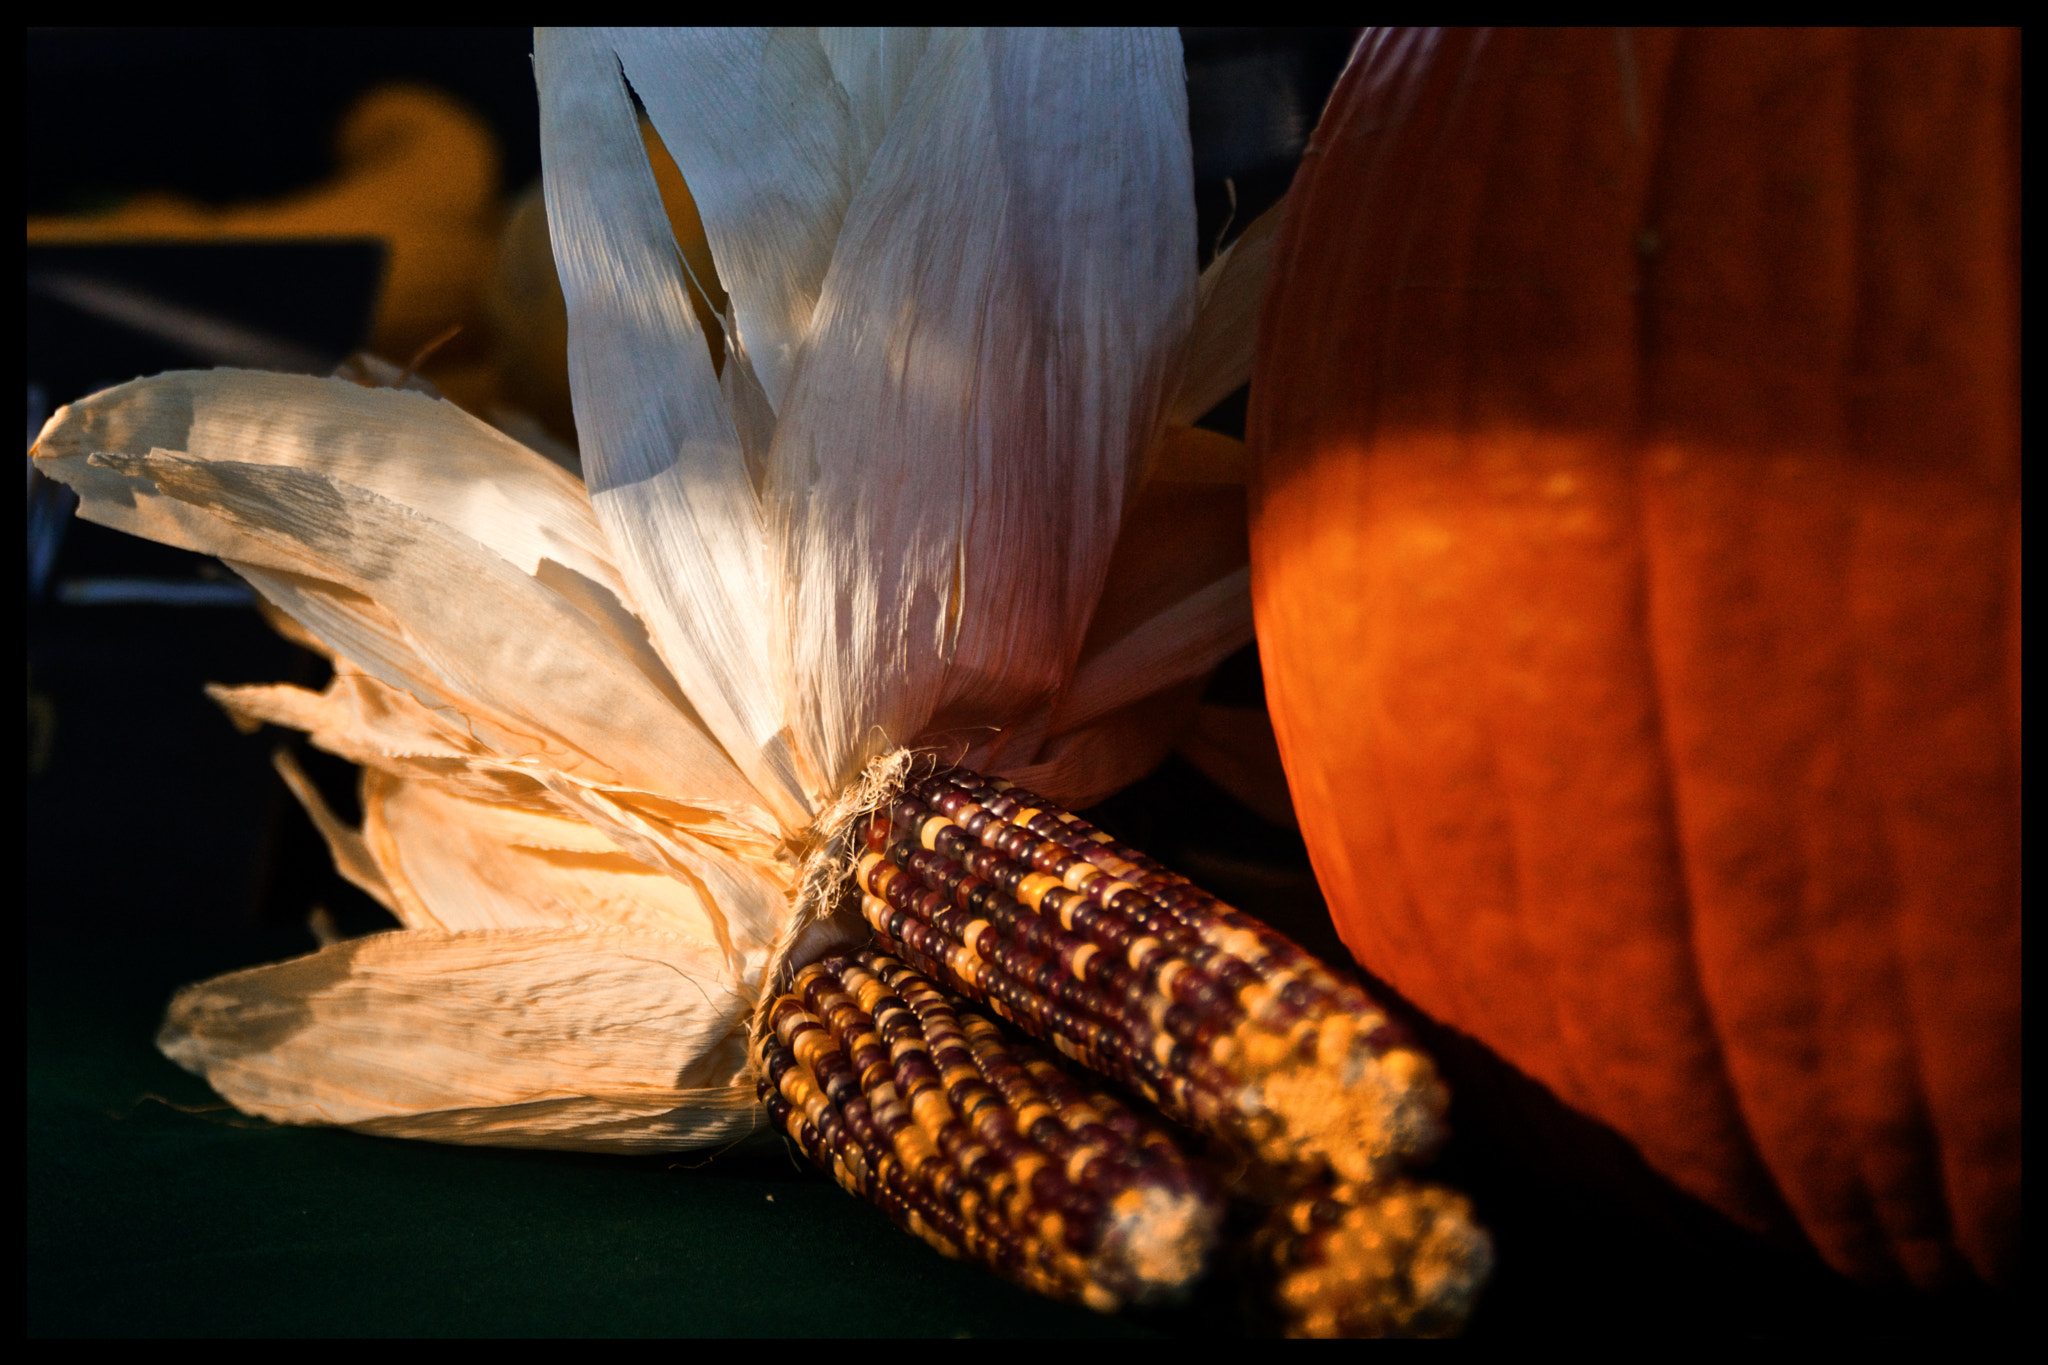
pixel 1031 890
pixel 914 1146
pixel 931 1110
pixel 1098 1298
pixel 1298 1033
pixel 1082 957
pixel 1301 1290
pixel 809 1045
pixel 1402 1065
pixel 1263 1049
pixel 929 832
pixel 1241 944
pixel 1321 1324
pixel 1333 1039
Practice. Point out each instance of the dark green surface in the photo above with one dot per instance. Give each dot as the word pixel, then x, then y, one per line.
pixel 153 1211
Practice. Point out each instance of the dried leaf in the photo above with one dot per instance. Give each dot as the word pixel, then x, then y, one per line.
pixel 416 1023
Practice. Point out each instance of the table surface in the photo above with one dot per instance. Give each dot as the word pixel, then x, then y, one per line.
pixel 153 1209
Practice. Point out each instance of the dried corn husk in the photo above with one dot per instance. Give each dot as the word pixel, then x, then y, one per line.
pixel 612 729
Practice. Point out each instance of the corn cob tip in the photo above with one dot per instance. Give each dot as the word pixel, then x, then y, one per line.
pixel 1401 1259
pixel 1155 1243
pixel 1364 1117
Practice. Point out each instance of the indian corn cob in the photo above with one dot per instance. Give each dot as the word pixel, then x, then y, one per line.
pixel 979 1145
pixel 1139 974
pixel 1397 1259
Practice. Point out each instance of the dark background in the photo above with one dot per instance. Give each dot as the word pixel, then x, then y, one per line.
pixel 162 848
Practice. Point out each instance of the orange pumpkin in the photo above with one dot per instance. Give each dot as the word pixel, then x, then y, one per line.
pixel 1635 546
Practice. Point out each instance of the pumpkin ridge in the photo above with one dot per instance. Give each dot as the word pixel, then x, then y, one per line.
pixel 1938 418
pixel 1751 892
pixel 1646 73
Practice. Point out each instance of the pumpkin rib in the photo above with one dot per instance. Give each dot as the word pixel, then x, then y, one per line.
pixel 1646 79
pixel 1939 417
pixel 1648 82
pixel 1900 1160
pixel 1738 560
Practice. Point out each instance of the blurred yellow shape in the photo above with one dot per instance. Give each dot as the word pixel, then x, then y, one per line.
pixel 417 169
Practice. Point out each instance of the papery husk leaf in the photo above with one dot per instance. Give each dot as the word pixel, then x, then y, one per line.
pixel 649 1121
pixel 1194 455
pixel 661 455
pixel 874 66
pixel 1234 747
pixel 1174 604
pixel 1010 284
pixel 428 456
pixel 750 894
pixel 352 856
pixel 1186 640
pixel 596 727
pixel 1218 358
pixel 704 875
pixel 1092 762
pixel 1179 537
pixel 455 864
pixel 444 848
pixel 365 720
pixel 408 1024
pixel 764 136
pixel 359 718
pixel 429 610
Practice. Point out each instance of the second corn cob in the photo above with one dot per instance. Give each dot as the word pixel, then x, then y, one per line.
pixel 1136 972
pixel 980 1146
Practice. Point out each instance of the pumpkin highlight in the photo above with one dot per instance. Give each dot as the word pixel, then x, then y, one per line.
pixel 1635 539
